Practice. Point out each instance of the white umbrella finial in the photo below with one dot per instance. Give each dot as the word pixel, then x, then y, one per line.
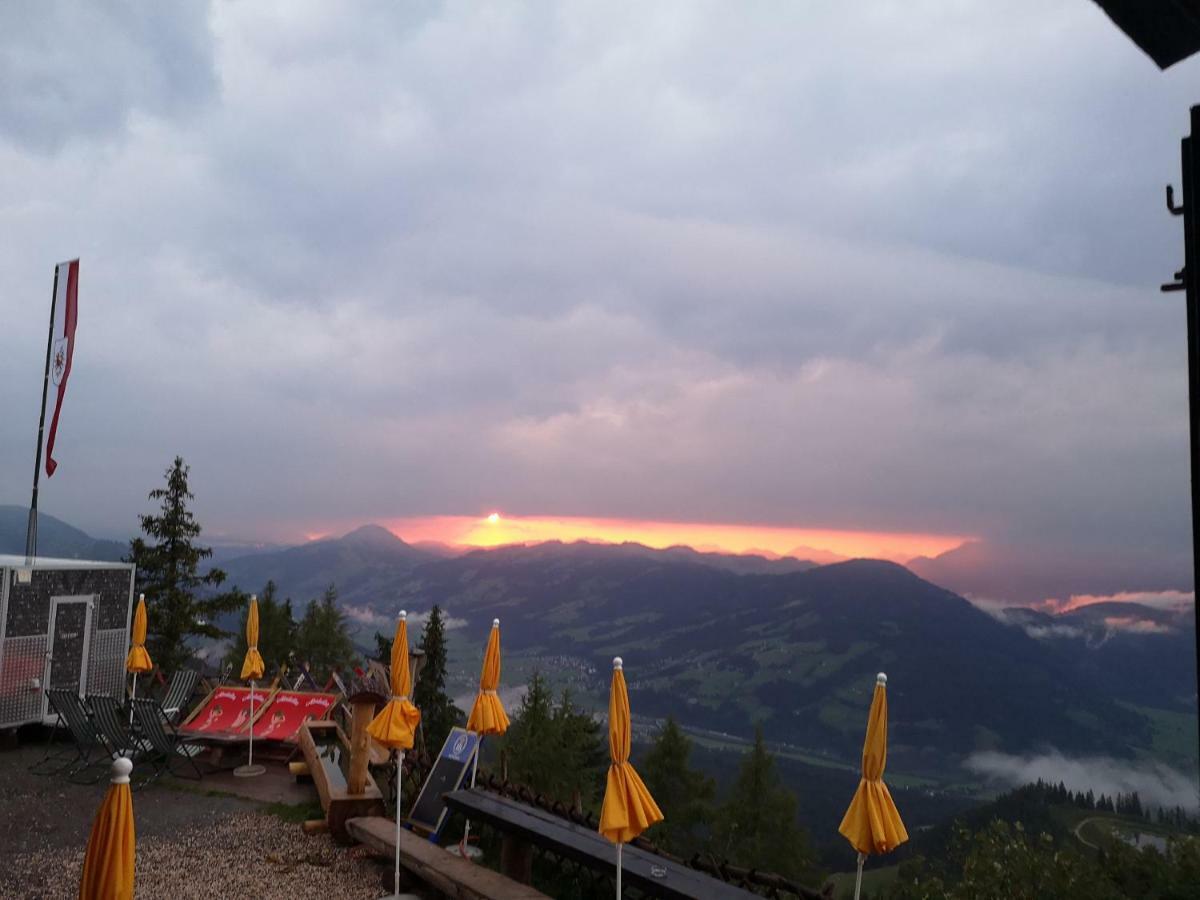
pixel 403 615
pixel 121 768
pixel 495 623
pixel 881 678
pixel 253 598
pixel 617 663
pixel 142 597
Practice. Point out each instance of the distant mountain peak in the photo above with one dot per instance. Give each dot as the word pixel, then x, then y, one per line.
pixel 373 535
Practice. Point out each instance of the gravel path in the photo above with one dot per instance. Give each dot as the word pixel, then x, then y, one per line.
pixel 189 844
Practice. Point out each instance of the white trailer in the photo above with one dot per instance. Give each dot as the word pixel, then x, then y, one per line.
pixel 64 623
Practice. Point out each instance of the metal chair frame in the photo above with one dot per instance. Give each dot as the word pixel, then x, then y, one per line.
pixel 179 692
pixel 164 741
pixel 85 738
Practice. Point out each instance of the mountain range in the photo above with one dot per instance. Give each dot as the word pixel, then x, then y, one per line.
pixel 726 643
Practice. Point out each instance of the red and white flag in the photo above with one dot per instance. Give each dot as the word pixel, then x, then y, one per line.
pixel 62 345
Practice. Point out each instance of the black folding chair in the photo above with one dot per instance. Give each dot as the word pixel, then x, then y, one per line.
pixel 90 749
pixel 112 723
pixel 163 740
pixel 179 694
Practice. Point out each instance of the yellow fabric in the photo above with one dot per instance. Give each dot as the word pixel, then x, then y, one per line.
pixel 108 865
pixel 872 823
pixel 397 722
pixel 628 808
pixel 252 665
pixel 138 659
pixel 487 713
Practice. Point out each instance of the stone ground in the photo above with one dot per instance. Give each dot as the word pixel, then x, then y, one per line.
pixel 194 839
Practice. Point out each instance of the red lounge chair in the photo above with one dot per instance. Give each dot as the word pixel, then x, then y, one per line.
pixel 225 714
pixel 288 710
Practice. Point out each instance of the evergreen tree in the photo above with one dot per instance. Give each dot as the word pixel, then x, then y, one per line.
pixel 438 712
pixel 322 640
pixel 582 754
pixel 684 795
pixel 757 826
pixel 182 602
pixel 529 740
pixel 276 631
pixel 383 648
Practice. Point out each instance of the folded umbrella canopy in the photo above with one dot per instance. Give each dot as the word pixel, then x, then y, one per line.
pixel 487 712
pixel 108 863
pixel 252 670
pixel 628 808
pixel 395 726
pixel 138 660
pixel 872 823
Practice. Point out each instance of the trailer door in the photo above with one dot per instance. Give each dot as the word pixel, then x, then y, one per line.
pixel 70 640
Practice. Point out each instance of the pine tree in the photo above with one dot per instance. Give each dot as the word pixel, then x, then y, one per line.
pixel 438 712
pixel 181 603
pixel 757 826
pixel 582 753
pixel 383 648
pixel 276 631
pixel 322 639
pixel 687 793
pixel 529 741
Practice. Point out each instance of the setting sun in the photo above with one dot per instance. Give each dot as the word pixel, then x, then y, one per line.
pixel 494 518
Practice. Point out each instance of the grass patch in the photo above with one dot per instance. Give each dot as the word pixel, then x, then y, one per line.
pixel 296 812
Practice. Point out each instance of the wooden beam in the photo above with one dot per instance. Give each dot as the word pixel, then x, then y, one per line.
pixel 451 875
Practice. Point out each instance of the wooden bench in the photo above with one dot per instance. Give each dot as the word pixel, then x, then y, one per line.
pixel 451 875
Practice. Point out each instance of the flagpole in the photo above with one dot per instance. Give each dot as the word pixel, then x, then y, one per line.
pixel 31 528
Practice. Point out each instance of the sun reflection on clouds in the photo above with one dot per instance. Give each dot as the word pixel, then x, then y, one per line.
pixel 824 545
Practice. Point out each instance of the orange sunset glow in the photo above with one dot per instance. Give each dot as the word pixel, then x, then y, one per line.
pixel 821 545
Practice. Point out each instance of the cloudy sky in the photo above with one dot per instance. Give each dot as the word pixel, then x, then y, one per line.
pixel 871 267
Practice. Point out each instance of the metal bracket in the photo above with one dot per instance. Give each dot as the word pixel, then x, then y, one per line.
pixel 1171 207
pixel 1179 284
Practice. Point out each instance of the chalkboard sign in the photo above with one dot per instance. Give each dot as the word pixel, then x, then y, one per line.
pixel 451 771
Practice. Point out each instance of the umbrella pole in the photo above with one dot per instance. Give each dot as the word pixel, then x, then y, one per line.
pixel 862 857
pixel 399 795
pixel 250 761
pixel 466 841
pixel 132 697
pixel 619 846
pixel 249 770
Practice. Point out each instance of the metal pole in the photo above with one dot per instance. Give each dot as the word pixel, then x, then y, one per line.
pixel 466 841
pixel 1191 275
pixel 250 761
pixel 1188 280
pixel 399 794
pixel 31 528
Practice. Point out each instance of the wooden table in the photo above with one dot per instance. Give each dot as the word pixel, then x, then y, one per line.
pixel 651 874
pixel 451 875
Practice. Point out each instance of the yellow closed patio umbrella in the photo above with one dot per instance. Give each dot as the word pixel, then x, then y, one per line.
pixel 138 660
pixel 628 808
pixel 487 712
pixel 108 863
pixel 252 670
pixel 395 726
pixel 872 823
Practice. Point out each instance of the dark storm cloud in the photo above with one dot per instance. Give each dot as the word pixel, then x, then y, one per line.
pixel 893 268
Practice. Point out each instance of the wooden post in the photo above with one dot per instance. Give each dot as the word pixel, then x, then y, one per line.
pixel 516 859
pixel 360 750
